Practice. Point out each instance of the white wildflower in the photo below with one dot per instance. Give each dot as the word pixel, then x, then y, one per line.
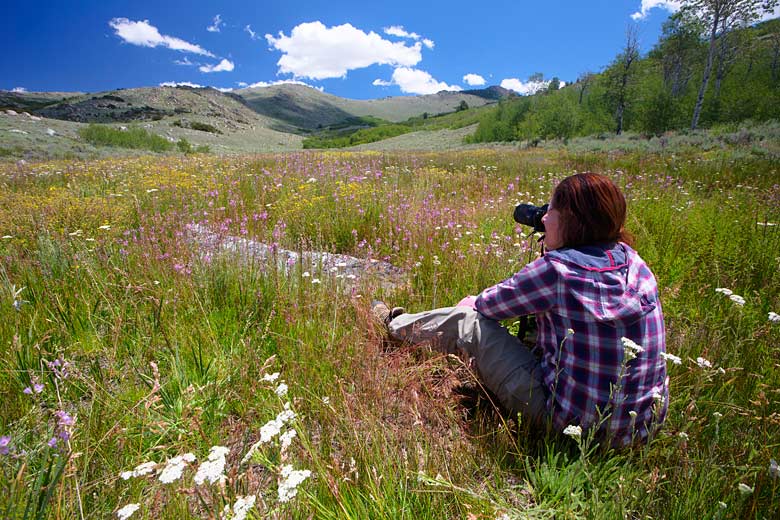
pixel 632 414
pixel 289 482
pixel 105 227
pixel 240 508
pixel 212 470
pixel 658 397
pixel 315 281
pixel 270 430
pixel 575 432
pixel 744 489
pixel 174 468
pixel 671 357
pixel 311 180
pixel 281 390
pixel 683 436
pixel 570 332
pixel 326 400
pixel 703 363
pixel 306 274
pixel 140 470
pixel 721 370
pixel 152 190
pixel 739 300
pixel 717 415
pixel 722 505
pixel 723 290
pixel 630 348
pixel 271 377
pixel 774 317
pixel 286 439
pixel 127 511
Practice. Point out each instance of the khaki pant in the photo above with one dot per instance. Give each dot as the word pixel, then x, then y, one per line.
pixel 505 366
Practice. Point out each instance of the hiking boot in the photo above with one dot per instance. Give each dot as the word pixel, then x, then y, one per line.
pixel 383 314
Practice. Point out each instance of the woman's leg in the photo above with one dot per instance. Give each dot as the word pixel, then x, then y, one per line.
pixel 504 364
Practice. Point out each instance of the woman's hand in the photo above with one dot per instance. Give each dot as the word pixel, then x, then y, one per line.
pixel 468 301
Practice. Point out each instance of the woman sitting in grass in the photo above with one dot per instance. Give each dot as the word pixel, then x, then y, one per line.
pixel 599 359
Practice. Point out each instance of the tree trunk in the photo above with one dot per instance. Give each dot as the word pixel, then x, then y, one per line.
pixel 707 69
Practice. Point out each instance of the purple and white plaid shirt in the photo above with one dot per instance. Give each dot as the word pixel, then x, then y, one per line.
pixel 603 294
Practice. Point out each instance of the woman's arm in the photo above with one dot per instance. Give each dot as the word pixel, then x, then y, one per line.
pixel 530 291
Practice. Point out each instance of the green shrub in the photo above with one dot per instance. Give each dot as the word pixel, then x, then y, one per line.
pixel 136 138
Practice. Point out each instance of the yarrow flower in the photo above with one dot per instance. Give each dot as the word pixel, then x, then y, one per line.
pixel 739 300
pixel 271 377
pixel 774 317
pixel 703 363
pixel 175 467
pixel 240 508
pixel 630 348
pixel 127 511
pixel 723 290
pixel 212 470
pixel 744 489
pixel 671 357
pixel 281 390
pixel 575 432
pixel 289 482
pixel 140 470
pixel 286 439
pixel 270 430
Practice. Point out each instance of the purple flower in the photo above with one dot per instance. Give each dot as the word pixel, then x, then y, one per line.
pixel 63 418
pixel 37 388
pixel 52 442
pixel 27 390
pixel 4 442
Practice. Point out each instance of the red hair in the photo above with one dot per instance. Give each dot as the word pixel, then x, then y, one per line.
pixel 592 209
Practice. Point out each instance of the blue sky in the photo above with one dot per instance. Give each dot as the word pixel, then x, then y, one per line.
pixel 355 49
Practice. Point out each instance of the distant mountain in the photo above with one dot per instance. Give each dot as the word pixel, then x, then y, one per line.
pixel 287 108
pixel 310 109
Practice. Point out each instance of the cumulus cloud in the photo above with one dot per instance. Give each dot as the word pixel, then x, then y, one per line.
pixel 19 90
pixel 186 61
pixel 524 88
pixel 318 52
pixel 647 5
pixel 144 34
pixel 428 43
pixel 415 81
pixel 180 84
pixel 223 66
pixel 398 30
pixel 261 84
pixel 214 27
pixel 474 80
pixel 252 34
pixel 224 89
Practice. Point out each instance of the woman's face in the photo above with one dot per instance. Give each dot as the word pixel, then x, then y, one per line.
pixel 552 229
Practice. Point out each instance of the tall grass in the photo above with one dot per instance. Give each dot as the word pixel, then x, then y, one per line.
pixel 136 138
pixel 171 345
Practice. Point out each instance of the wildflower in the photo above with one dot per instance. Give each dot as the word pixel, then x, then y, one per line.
pixel 241 507
pixel 174 468
pixel 52 442
pixel 722 505
pixel 305 274
pixel 658 397
pixel 630 349
pixel 291 479
pixel 632 414
pixel 570 332
pixel 723 290
pixel 717 415
pixel 774 317
pixel 270 430
pixel 774 468
pixel 7 237
pixel 271 377
pixel 127 511
pixel 140 470
pixel 683 436
pixel 744 489
pixel 703 363
pixel 315 281
pixel 671 357
pixel 152 190
pixel 281 390
pixel 105 227
pixel 575 432
pixel 214 467
pixel 5 441
pixel 286 439
pixel 739 300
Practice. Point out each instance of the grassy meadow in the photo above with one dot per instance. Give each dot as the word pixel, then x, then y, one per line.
pixel 124 339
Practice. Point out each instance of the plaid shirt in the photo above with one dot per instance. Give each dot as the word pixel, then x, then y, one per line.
pixel 603 294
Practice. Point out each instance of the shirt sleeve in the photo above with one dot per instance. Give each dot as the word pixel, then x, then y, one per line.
pixel 530 291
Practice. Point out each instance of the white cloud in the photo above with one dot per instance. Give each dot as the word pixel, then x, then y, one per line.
pixel 415 81
pixel 315 51
pixel 185 61
pixel 474 80
pixel 242 84
pixel 524 88
pixel 224 89
pixel 19 90
pixel 428 43
pixel 223 66
pixel 647 5
pixel 398 30
pixel 262 84
pixel 180 84
pixel 216 25
pixel 252 34
pixel 146 35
